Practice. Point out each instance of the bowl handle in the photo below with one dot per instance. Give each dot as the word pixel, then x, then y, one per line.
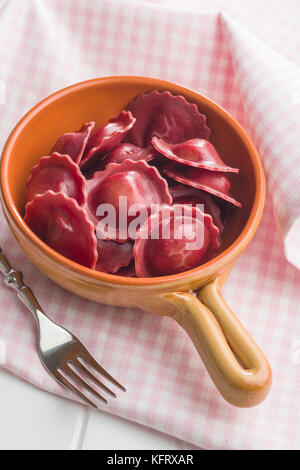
pixel 235 363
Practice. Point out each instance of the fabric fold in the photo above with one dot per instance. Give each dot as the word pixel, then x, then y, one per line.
pixel 270 91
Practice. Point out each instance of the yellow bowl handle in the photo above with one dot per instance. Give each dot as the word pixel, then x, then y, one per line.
pixel 235 363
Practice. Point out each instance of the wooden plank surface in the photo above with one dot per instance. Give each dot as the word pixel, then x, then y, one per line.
pixel 33 419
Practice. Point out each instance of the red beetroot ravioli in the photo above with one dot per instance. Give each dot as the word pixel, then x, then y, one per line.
pixel 136 183
pixel 63 225
pixel 213 182
pixel 128 271
pixel 74 143
pixel 113 256
pixel 198 153
pixel 127 151
pixel 165 116
pixel 184 238
pixel 57 173
pixel 107 138
pixel 123 152
pixel 182 194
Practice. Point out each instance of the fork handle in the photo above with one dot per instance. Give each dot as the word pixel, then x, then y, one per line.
pixel 14 280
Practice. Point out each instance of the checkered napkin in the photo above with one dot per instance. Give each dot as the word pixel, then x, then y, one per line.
pixel 48 44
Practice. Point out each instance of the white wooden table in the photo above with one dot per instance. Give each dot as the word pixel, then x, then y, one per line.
pixel 33 419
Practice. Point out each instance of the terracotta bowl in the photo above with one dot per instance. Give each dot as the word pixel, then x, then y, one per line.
pixel 235 363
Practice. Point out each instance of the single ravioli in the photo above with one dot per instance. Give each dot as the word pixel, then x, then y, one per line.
pixel 214 182
pixel 58 173
pixel 63 225
pixel 113 256
pixel 121 192
pixel 74 143
pixel 128 271
pixel 129 151
pixel 124 151
pixel 198 153
pixel 167 117
pixel 174 239
pixel 106 138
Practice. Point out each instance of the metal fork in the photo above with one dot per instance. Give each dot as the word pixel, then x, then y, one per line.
pixel 62 354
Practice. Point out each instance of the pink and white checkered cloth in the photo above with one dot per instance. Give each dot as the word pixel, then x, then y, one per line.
pixel 48 44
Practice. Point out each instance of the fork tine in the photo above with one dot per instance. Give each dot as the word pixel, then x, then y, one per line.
pixel 73 389
pixel 83 383
pixel 84 370
pixel 91 361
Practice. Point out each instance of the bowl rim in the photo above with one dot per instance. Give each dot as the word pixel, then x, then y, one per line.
pixel 213 266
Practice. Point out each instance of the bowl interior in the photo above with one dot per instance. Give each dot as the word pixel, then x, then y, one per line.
pixel 100 100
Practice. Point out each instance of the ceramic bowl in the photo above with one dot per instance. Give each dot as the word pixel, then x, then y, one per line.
pixel 235 363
